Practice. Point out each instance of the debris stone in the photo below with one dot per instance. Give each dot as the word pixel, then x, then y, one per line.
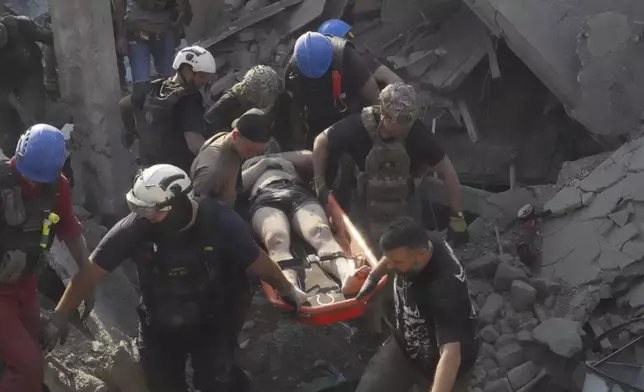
pixel 505 275
pixel 487 350
pixel 509 356
pixel 489 364
pixel 522 295
pixel 524 336
pixel 620 236
pixel 504 327
pixel 491 308
pixel 496 374
pixel 489 334
pixel 567 200
pixel 505 340
pixel 500 385
pixel 418 62
pixel 620 217
pixel 561 335
pixel 522 374
pixel 545 287
pixel 246 35
pixel 483 267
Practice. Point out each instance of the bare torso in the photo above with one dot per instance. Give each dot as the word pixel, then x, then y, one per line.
pixel 287 172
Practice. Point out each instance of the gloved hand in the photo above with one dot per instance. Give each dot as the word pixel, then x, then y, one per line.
pixel 321 189
pixel 368 286
pixel 295 297
pixel 457 233
pixel 89 303
pixel 54 328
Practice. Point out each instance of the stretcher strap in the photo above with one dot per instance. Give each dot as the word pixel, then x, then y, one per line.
pixel 289 263
pixel 330 256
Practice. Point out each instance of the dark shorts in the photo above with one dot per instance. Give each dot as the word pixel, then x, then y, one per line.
pixel 283 195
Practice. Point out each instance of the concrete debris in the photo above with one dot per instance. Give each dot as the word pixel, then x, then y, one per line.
pixel 604 235
pixel 572 171
pixel 418 62
pixel 491 309
pixel 505 340
pixel 607 56
pixel 303 14
pixel 522 295
pixel 483 267
pixel 509 356
pixel 522 374
pixel 567 200
pixel 489 334
pixel 505 275
pixel 501 385
pixel 561 335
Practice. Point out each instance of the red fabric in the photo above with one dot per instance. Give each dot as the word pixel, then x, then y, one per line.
pixel 68 226
pixel 19 347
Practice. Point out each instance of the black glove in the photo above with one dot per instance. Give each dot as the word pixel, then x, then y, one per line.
pixel 368 286
pixel 54 329
pixel 457 233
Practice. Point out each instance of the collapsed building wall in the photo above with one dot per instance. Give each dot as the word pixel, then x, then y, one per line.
pixel 587 53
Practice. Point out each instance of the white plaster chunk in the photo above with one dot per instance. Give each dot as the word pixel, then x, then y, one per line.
pixel 634 187
pixel 602 178
pixel 567 200
pixel 561 335
pixel 634 249
pixel 611 258
pixel 620 217
pixel 605 203
pixel 587 198
pixel 636 296
pixel 623 234
pixel 636 163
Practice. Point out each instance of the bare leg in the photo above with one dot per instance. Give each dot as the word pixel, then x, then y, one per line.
pixel 272 226
pixel 312 224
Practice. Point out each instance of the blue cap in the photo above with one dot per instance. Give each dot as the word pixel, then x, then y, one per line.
pixel 40 153
pixel 335 27
pixel 313 54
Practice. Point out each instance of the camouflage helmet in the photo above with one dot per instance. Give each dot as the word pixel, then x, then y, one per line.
pixel 260 86
pixel 398 103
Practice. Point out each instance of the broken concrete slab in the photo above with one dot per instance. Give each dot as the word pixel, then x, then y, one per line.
pixel 483 267
pixel 602 178
pixel 463 38
pixel 491 308
pixel 561 335
pixel 567 200
pixel 246 21
pixel 572 171
pixel 596 79
pixel 303 14
pixel 522 296
pixel 505 275
pixel 418 62
pixel 522 374
pixel 501 208
pixel 620 217
pixel 621 235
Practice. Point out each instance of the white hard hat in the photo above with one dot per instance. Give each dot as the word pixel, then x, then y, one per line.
pixel 155 188
pixel 199 58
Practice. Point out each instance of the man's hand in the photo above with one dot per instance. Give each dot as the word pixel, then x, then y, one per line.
pixel 88 305
pixel 294 297
pixel 368 287
pixel 54 328
pixel 321 190
pixel 457 233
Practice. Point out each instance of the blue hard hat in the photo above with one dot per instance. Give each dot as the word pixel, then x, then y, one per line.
pixel 313 54
pixel 41 153
pixel 335 27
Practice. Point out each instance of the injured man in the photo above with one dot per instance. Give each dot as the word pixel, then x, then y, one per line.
pixel 278 204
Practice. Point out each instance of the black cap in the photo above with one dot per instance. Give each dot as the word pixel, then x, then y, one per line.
pixel 253 125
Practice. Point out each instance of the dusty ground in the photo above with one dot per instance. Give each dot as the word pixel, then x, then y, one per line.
pixel 280 353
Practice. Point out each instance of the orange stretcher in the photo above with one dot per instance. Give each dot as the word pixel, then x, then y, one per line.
pixel 326 303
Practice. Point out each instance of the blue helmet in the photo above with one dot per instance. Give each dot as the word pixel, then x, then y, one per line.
pixel 313 54
pixel 41 153
pixel 335 27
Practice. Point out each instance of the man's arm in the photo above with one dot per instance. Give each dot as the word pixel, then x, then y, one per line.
pixel 250 175
pixel 78 249
pixel 36 32
pixel 360 77
pixel 447 368
pixel 448 175
pixel 185 12
pixel 119 17
pixel 81 285
pixel 320 157
pixel 194 140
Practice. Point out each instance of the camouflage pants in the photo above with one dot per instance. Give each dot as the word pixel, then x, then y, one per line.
pixel 391 371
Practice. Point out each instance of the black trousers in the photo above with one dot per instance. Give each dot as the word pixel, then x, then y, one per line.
pixel 210 345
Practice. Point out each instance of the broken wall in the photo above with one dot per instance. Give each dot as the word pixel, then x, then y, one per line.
pixel 587 53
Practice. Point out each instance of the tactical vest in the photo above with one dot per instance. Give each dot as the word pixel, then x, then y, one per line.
pixel 325 97
pixel 386 176
pixel 179 279
pixel 21 235
pixel 155 122
pixel 156 5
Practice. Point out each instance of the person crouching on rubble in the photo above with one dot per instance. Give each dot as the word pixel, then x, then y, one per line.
pixel 389 144
pixel 380 72
pixel 169 120
pixel 180 247
pixel 327 81
pixel 36 205
pixel 436 343
pixel 259 89
pixel 278 203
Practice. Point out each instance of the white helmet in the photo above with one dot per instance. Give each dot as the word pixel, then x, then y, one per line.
pixel 200 59
pixel 155 188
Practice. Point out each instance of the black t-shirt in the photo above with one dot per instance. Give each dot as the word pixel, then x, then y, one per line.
pixel 316 94
pixel 21 56
pixel 188 117
pixel 433 309
pixel 228 108
pixel 350 136
pixel 235 244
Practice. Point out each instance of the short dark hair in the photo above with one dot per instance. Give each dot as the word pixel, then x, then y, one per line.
pixel 404 233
